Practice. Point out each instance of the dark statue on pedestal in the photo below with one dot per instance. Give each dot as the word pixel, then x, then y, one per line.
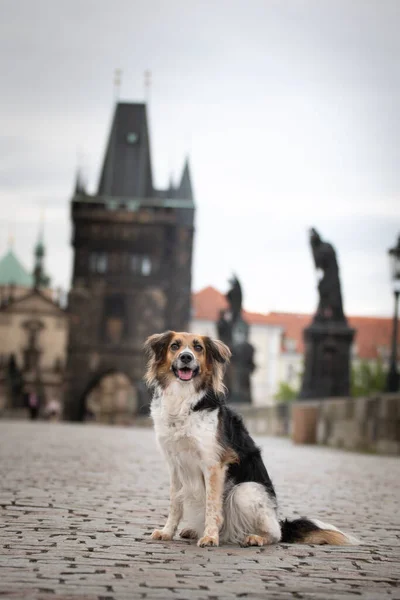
pixel 234 332
pixel 330 307
pixel 328 339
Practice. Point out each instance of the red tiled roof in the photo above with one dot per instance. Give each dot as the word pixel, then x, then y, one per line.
pixel 372 333
pixel 208 302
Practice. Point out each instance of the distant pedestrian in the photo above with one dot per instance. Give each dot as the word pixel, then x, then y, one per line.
pixel 33 405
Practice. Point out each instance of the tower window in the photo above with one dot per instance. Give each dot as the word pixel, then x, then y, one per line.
pixel 132 137
pixel 141 264
pixel 146 265
pixel 98 262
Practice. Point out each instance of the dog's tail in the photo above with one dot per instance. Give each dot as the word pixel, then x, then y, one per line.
pixel 311 531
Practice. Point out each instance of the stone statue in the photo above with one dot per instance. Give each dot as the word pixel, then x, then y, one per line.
pixel 234 331
pixel 235 297
pixel 330 307
pixel 224 327
pixel 328 339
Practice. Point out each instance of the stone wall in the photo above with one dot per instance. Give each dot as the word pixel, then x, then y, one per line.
pixel 362 424
pixel 266 420
pixel 366 424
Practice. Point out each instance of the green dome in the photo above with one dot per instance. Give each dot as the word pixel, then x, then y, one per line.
pixel 12 271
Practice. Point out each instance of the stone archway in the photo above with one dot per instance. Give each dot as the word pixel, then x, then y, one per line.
pixel 112 400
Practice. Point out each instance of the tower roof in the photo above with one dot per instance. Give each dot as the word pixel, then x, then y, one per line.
pixel 184 190
pixel 126 168
pixel 13 272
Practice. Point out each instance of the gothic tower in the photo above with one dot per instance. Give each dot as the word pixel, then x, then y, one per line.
pixel 132 262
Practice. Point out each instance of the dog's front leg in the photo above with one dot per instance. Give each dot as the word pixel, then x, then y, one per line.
pixel 214 479
pixel 175 512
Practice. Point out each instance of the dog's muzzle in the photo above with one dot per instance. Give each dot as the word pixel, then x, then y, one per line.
pixel 185 366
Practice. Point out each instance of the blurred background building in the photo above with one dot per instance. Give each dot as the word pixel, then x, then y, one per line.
pixel 132 271
pixel 33 338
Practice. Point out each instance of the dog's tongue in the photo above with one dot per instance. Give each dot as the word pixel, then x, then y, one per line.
pixel 185 375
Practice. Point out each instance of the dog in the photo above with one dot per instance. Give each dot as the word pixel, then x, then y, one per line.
pixel 218 481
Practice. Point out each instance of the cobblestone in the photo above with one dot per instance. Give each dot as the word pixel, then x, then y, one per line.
pixel 78 503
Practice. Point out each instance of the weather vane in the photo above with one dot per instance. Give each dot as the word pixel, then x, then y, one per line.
pixel 147 84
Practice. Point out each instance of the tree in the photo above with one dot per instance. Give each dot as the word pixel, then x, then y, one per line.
pixel 286 393
pixel 367 378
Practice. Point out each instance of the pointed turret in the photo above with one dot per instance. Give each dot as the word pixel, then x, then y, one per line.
pixel 40 279
pixel 184 191
pixel 79 184
pixel 126 169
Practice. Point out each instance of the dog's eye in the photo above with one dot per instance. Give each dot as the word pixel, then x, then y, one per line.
pixel 174 346
pixel 198 348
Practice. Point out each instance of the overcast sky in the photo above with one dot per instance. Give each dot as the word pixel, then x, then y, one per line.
pixel 289 110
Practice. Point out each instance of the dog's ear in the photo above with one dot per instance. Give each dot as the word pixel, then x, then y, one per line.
pixel 217 350
pixel 156 344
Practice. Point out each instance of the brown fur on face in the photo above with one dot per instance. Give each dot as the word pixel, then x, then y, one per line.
pixel 212 359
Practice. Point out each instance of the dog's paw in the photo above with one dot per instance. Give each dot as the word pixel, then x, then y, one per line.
pixel 208 540
pixel 253 540
pixel 159 534
pixel 188 534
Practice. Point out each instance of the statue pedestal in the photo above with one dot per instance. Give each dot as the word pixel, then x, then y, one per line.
pixel 327 360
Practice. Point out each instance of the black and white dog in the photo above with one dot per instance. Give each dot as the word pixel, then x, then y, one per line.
pixel 219 483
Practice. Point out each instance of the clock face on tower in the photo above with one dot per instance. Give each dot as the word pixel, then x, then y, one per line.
pixel 132 138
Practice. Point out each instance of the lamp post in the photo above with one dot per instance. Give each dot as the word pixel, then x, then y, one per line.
pixel 393 379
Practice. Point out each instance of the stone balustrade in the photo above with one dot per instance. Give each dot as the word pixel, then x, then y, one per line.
pixel 363 424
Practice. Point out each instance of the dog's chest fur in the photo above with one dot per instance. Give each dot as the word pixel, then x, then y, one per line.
pixel 188 438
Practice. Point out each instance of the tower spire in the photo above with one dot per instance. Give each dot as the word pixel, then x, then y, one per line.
pixel 40 279
pixel 185 187
pixel 79 183
pixel 117 84
pixel 147 85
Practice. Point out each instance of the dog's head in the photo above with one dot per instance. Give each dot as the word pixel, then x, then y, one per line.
pixel 186 358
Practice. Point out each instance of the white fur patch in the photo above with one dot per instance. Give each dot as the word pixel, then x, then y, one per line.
pixel 249 510
pixel 188 439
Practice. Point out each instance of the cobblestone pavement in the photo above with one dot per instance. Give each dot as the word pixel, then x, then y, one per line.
pixel 78 503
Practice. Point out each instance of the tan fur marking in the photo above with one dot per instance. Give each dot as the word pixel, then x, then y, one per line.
pixel 214 480
pixel 325 536
pixel 253 540
pixel 229 457
pixel 208 540
pixel 158 534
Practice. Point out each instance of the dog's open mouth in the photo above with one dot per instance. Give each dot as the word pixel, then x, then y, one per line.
pixel 186 374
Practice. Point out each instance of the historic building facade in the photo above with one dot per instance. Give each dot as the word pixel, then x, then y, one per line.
pixel 33 339
pixel 131 270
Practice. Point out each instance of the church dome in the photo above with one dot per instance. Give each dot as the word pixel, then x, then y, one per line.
pixel 12 272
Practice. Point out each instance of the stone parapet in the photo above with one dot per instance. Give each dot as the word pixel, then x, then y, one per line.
pixel 363 424
pixel 266 420
pixel 367 424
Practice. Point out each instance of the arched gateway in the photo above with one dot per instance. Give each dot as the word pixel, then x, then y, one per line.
pixel 111 399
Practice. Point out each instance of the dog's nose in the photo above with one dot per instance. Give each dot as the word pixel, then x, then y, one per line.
pixel 186 357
